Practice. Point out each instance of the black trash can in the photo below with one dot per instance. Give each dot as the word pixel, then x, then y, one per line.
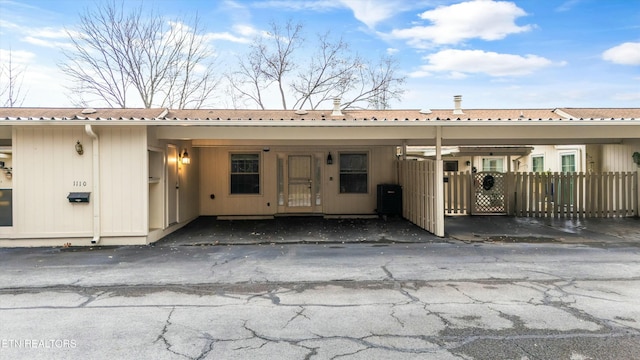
pixel 389 199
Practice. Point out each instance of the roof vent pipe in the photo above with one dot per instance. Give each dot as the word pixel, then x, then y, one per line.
pixel 457 101
pixel 336 107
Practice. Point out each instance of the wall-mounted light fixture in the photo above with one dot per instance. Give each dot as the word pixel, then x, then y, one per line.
pixel 468 163
pixel 329 159
pixel 185 159
pixel 79 148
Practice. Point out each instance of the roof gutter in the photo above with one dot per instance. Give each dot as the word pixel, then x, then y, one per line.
pixel 96 182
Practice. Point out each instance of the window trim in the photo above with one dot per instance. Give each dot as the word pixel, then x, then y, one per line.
pixel 231 173
pixel 493 158
pixel 532 162
pixel 576 160
pixel 456 162
pixel 367 173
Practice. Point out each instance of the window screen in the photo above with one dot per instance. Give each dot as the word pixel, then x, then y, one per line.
pixel 353 173
pixel 245 173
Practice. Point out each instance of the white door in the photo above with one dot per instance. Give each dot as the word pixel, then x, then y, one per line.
pixel 172 185
pixel 299 183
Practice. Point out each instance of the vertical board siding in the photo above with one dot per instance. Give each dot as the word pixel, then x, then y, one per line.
pixel 123 183
pixel 419 193
pixel 46 169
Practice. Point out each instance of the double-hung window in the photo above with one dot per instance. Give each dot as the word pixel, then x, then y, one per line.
pixel 537 163
pixel 354 168
pixel 245 173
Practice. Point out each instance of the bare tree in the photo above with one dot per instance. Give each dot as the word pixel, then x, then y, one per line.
pixel 378 84
pixel 330 71
pixel 11 77
pixel 249 80
pixel 278 59
pixel 192 77
pixel 270 60
pixel 330 74
pixel 117 53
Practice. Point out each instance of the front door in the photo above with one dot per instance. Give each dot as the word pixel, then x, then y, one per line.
pixel 299 183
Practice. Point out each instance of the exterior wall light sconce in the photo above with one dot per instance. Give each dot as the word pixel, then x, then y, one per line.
pixel 329 159
pixel 79 148
pixel 185 159
pixel 468 163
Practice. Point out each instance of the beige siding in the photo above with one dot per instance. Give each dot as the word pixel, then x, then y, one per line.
pixel 619 157
pixel 214 180
pixel 123 180
pixel 188 179
pixel 46 169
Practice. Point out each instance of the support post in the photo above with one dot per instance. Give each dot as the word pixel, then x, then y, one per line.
pixel 439 185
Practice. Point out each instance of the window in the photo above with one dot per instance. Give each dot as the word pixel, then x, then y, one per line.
pixel 353 173
pixel 493 164
pixel 568 162
pixel 537 163
pixel 451 165
pixel 245 173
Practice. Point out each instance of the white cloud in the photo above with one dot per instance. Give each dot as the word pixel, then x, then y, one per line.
pixel 245 30
pixel 627 96
pixel 314 5
pixel 567 5
pixel 392 51
pixel 626 54
pixel 371 12
pixel 47 43
pixel 50 33
pixel 483 19
pixel 460 62
pixel 18 57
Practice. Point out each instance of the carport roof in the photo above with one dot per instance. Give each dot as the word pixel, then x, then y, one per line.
pixel 227 117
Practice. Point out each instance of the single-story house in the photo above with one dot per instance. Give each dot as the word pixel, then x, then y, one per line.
pixel 132 176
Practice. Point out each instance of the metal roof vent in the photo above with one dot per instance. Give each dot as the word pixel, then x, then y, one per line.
pixel 425 111
pixel 301 112
pixel 89 111
pixel 457 101
pixel 336 108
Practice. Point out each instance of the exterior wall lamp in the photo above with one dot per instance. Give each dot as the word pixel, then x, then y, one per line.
pixel 329 159
pixel 184 158
pixel 79 148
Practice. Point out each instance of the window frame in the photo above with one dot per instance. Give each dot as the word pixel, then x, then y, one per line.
pixel 533 167
pixel 489 158
pixel 258 173
pixel 450 162
pixel 342 190
pixel 576 162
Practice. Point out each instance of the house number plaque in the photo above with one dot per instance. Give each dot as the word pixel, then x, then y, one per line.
pixel 79 183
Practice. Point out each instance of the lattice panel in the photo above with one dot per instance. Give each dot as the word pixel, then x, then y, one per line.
pixel 489 190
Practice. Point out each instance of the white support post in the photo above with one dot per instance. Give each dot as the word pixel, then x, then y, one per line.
pixel 439 185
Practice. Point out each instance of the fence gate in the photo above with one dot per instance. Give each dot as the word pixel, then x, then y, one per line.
pixel 488 193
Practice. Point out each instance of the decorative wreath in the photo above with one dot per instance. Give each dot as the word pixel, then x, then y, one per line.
pixel 488 182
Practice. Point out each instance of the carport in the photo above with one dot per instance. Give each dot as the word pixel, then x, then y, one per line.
pixel 422 181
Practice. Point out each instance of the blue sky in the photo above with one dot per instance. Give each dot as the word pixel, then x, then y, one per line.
pixel 497 54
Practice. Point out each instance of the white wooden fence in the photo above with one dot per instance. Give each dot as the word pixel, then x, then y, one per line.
pixel 554 195
pixel 419 194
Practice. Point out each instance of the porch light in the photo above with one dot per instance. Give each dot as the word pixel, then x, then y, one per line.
pixel 329 159
pixel 185 158
pixel 79 148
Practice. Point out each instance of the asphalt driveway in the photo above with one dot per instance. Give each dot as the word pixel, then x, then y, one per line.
pixel 208 230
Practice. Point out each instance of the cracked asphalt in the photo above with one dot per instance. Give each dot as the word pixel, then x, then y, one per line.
pixel 189 298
